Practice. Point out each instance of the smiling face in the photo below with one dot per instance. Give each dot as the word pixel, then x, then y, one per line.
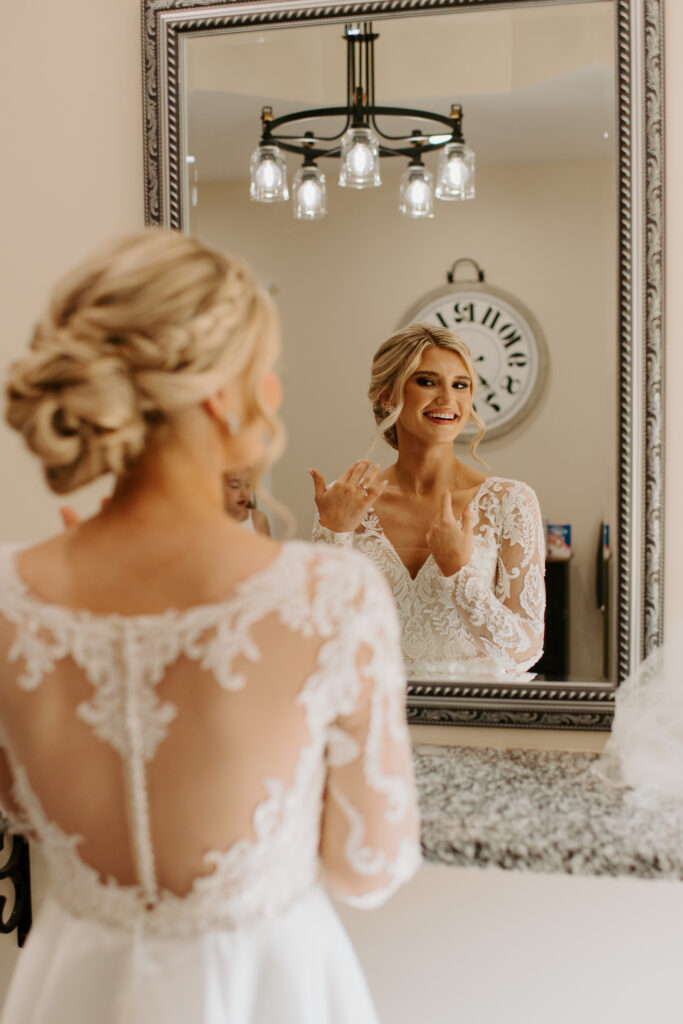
pixel 437 398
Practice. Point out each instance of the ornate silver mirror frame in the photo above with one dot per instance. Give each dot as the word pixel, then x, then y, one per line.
pixel 639 43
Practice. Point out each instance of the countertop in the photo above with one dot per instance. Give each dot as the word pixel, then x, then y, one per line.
pixel 539 810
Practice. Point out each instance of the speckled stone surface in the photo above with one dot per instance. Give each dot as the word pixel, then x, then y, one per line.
pixel 545 811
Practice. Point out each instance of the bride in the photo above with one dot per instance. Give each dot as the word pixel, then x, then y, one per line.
pixel 463 552
pixel 195 720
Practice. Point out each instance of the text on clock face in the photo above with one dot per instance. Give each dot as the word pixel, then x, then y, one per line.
pixel 501 349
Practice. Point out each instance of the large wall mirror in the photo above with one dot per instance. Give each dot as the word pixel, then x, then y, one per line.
pixel 563 107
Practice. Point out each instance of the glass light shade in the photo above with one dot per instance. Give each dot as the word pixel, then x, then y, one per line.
pixel 309 194
pixel 455 177
pixel 359 159
pixel 417 193
pixel 268 175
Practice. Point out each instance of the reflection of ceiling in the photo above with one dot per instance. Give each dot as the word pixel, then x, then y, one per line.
pixel 536 85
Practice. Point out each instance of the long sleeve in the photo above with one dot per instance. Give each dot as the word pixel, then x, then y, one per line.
pixel 370 835
pixel 321 533
pixel 508 622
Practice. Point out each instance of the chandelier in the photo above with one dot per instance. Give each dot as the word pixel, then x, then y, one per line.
pixel 359 145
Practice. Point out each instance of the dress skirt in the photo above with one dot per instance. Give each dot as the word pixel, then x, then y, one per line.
pixel 296 968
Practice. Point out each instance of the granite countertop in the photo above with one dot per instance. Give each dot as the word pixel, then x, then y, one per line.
pixel 536 810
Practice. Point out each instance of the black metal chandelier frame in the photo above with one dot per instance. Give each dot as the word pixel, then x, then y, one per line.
pixel 361 112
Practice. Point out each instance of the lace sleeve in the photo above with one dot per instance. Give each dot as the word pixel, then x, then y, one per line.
pixel 370 835
pixel 508 624
pixel 321 533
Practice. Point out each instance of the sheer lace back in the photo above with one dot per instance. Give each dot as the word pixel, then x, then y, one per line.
pixel 185 768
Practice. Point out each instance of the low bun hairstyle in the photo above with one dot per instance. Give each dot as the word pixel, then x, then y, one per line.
pixel 151 324
pixel 393 363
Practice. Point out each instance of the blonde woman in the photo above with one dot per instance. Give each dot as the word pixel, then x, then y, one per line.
pixel 463 552
pixel 195 719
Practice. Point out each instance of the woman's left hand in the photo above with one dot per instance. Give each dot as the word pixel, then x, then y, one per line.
pixel 449 542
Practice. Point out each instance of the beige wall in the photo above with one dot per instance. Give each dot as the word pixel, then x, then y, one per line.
pixel 72 176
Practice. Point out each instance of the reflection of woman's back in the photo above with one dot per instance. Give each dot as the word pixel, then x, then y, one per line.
pixel 186 748
pixel 463 553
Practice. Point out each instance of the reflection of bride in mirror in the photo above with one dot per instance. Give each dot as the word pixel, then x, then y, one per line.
pixel 463 552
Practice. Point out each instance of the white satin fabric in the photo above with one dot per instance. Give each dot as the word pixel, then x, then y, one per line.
pixel 297 968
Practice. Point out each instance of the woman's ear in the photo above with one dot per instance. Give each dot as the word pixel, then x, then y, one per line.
pixel 218 406
pixel 215 406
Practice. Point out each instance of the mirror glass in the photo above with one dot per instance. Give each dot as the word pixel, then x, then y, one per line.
pixel 537 88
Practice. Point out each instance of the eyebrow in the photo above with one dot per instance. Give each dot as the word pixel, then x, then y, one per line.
pixel 432 373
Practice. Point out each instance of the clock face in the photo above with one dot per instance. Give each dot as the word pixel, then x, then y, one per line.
pixel 506 343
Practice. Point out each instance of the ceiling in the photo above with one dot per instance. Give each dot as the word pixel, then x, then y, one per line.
pixel 536 85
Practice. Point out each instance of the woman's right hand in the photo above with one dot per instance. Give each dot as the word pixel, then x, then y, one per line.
pixel 343 506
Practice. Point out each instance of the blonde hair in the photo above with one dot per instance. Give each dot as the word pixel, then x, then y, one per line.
pixel 152 323
pixel 393 363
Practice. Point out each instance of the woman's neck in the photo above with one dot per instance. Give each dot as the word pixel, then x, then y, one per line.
pixel 428 470
pixel 420 470
pixel 179 477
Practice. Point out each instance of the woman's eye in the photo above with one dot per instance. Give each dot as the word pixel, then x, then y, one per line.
pixel 424 381
pixel 461 384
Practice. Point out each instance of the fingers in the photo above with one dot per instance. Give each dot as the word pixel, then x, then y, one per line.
pixel 370 479
pixel 69 516
pixel 447 507
pixel 357 471
pixel 467 519
pixel 318 483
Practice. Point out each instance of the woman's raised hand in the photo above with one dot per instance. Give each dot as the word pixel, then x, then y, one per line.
pixel 343 505
pixel 450 542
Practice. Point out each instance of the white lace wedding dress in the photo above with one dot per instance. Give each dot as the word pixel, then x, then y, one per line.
pixel 186 774
pixel 486 620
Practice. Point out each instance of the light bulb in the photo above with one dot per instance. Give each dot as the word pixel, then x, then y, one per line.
pixel 359 159
pixel 268 175
pixel 310 201
pixel 455 172
pixel 309 195
pixel 455 177
pixel 416 195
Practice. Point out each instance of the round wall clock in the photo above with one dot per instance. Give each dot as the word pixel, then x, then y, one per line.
pixel 505 339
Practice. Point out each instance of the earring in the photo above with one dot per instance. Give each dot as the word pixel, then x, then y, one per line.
pixel 389 409
pixel 233 422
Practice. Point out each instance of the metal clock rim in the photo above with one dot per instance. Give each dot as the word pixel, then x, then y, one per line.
pixel 443 291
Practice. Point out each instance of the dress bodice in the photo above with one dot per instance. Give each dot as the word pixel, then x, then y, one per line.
pixel 188 770
pixel 488 618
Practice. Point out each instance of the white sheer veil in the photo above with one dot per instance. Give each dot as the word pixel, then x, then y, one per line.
pixel 645 748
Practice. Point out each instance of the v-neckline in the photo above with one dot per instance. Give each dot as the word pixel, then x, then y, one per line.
pixel 382 535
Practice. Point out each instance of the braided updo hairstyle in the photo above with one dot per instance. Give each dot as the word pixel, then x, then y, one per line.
pixel 151 324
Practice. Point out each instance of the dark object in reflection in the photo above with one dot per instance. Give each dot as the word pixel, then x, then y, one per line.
pixel 554 664
pixel 17 868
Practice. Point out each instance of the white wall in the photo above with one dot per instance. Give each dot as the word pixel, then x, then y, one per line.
pixel 486 946
pixel 72 176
